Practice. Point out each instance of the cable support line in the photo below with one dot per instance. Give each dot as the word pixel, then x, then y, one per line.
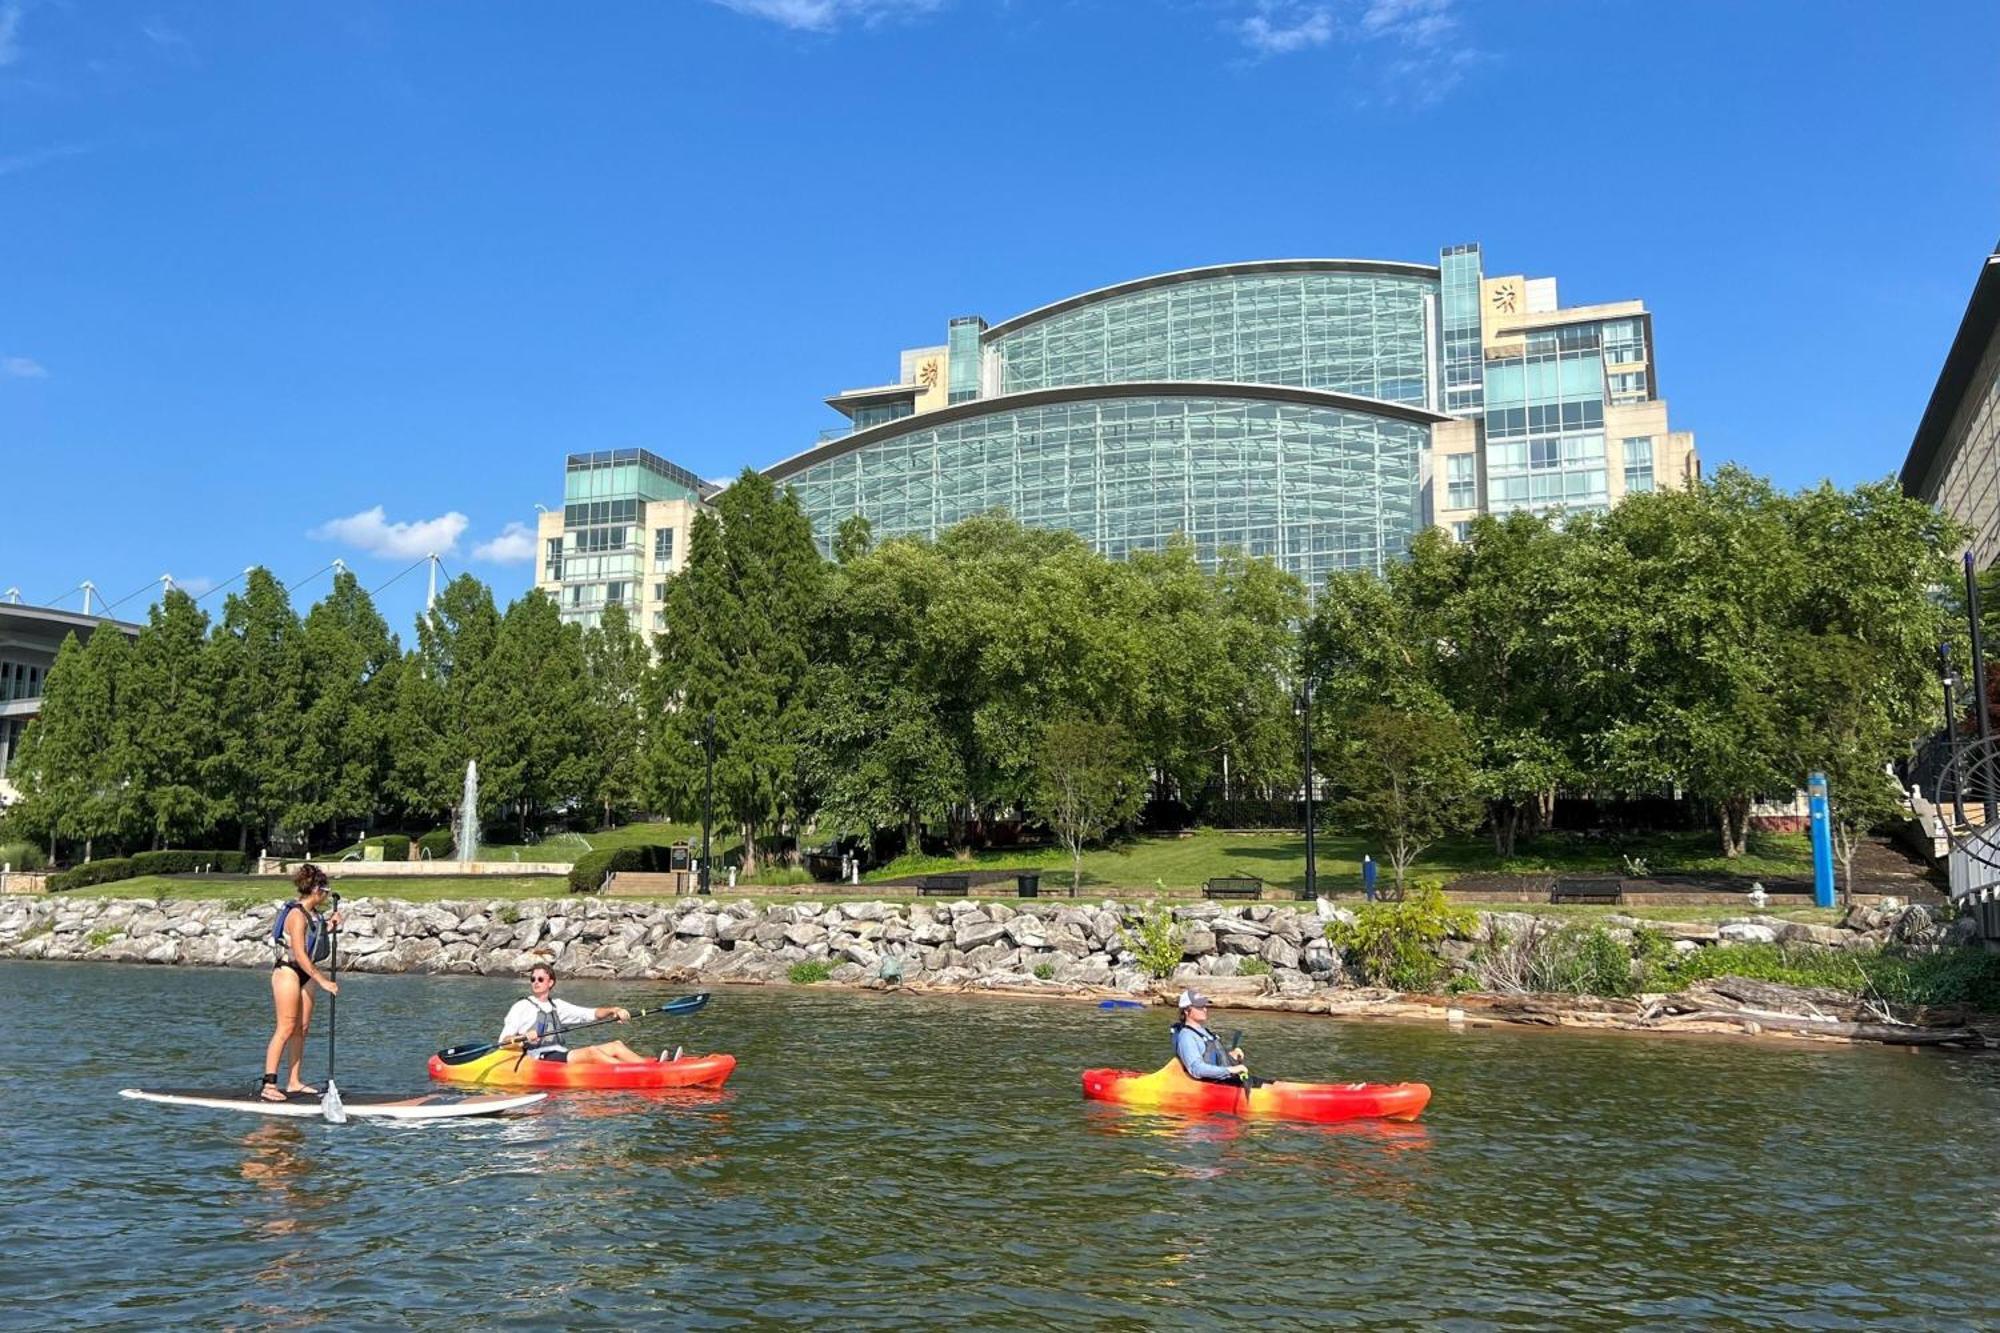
pixel 51 603
pixel 294 587
pixel 404 574
pixel 149 583
pixel 219 587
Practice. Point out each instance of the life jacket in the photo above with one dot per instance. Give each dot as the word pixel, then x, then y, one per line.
pixel 548 1028
pixel 1212 1052
pixel 319 942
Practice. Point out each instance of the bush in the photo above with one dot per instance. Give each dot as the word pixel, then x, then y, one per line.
pixel 395 847
pixel 1253 967
pixel 1951 976
pixel 587 872
pixel 1156 942
pixel 437 844
pixel 1045 971
pixel 810 971
pixel 1391 943
pixel 22 856
pixel 189 862
pixel 106 871
pixel 1562 960
pixel 100 938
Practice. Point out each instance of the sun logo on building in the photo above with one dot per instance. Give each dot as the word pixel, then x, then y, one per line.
pixel 1505 298
pixel 928 373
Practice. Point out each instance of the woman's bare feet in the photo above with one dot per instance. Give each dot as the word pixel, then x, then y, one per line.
pixel 269 1092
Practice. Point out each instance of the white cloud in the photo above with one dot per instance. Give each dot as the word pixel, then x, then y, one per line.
pixel 22 368
pixel 198 586
pixel 371 531
pixel 826 15
pixel 1415 49
pixel 514 546
pixel 167 38
pixel 10 28
pixel 24 161
pixel 1281 30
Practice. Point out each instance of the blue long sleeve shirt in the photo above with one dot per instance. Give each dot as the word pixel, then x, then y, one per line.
pixel 1201 1054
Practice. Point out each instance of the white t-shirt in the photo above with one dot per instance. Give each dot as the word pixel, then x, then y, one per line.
pixel 521 1020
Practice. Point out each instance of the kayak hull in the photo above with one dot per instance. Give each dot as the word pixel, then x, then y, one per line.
pixel 358 1105
pixel 507 1069
pixel 1170 1089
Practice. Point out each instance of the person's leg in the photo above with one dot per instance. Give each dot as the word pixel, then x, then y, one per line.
pixel 296 1083
pixel 285 1003
pixel 605 1053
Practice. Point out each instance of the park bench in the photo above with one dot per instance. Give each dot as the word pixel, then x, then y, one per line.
pixel 1233 886
pixel 944 886
pixel 1586 889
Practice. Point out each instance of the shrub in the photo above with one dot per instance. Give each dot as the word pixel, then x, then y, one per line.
pixel 509 915
pixel 1156 942
pixel 22 856
pixel 106 871
pixel 1391 943
pixel 809 971
pixel 189 862
pixel 1253 967
pixel 1564 960
pixel 1462 984
pixel 100 938
pixel 1045 971
pixel 437 844
pixel 587 874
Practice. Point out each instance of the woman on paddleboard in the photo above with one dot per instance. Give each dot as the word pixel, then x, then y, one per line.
pixel 537 1023
pixel 303 938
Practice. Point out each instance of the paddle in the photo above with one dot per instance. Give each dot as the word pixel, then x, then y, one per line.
pixel 329 1102
pixel 1236 1044
pixel 686 1004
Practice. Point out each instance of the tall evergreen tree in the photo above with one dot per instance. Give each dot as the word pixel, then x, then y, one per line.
pixel 343 754
pixel 531 714
pixel 438 695
pixel 736 648
pixel 616 659
pixel 260 669
pixel 74 769
pixel 171 715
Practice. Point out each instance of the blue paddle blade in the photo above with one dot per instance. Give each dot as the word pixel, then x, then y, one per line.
pixel 687 1004
pixel 1121 1004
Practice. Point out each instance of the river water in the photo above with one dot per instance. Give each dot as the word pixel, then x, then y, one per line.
pixel 884 1160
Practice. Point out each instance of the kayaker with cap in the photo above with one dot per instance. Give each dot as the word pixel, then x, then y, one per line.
pixel 302 935
pixel 1199 1050
pixel 537 1023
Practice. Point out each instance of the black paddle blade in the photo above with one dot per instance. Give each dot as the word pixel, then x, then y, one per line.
pixel 458 1055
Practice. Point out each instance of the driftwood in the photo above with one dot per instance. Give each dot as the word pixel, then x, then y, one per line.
pixel 1888 1034
pixel 1774 997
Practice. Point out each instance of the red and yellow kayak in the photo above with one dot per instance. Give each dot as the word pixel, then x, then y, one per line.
pixel 1170 1089
pixel 506 1069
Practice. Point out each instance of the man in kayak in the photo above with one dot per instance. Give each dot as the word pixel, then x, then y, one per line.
pixel 538 1021
pixel 1199 1050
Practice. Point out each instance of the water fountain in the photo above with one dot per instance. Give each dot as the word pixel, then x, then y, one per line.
pixel 468 814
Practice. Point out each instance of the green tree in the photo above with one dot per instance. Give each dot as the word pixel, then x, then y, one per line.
pixel 1405 778
pixel 531 710
pixel 171 711
pixel 1088 780
pixel 616 660
pixel 260 671
pixel 738 617
pixel 74 768
pixel 439 724
pixel 350 660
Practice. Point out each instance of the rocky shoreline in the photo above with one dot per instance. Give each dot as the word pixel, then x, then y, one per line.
pixel 1257 956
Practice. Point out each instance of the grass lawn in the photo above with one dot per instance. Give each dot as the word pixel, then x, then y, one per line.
pixel 569 846
pixel 1279 859
pixel 408 888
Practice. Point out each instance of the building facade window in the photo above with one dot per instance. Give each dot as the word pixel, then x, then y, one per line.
pixel 1461 481
pixel 1315 488
pixel 659 592
pixel 1359 333
pixel 663 547
pixel 1638 465
pixel 1461 531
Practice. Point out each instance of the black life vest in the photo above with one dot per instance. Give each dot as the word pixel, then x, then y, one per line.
pixel 1212 1052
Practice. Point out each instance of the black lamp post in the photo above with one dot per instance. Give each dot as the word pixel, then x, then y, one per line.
pixel 708 798
pixel 1951 731
pixel 1306 725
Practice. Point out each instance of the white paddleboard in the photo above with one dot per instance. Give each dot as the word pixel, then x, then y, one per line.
pixel 373 1105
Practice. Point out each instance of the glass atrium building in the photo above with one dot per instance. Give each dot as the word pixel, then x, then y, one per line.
pixel 1316 411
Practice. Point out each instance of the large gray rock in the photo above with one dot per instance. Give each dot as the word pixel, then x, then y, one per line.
pixel 1805 932
pixel 694 955
pixel 805 933
pixel 1282 953
pixel 973 934
pixel 1746 932
pixel 855 951
pixel 1197 942
pixel 696 926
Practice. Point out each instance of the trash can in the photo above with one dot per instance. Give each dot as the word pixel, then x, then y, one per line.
pixel 1029 883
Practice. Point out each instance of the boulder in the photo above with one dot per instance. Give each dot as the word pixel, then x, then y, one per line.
pixel 1804 932
pixel 1281 953
pixel 805 933
pixel 973 934
pixel 1746 932
pixel 1197 943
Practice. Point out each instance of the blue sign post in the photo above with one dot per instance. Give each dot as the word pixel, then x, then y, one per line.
pixel 1368 878
pixel 1822 841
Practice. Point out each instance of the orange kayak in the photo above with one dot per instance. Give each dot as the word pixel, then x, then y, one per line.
pixel 1169 1088
pixel 506 1069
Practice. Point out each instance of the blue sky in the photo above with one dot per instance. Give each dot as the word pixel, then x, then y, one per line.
pixel 271 267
